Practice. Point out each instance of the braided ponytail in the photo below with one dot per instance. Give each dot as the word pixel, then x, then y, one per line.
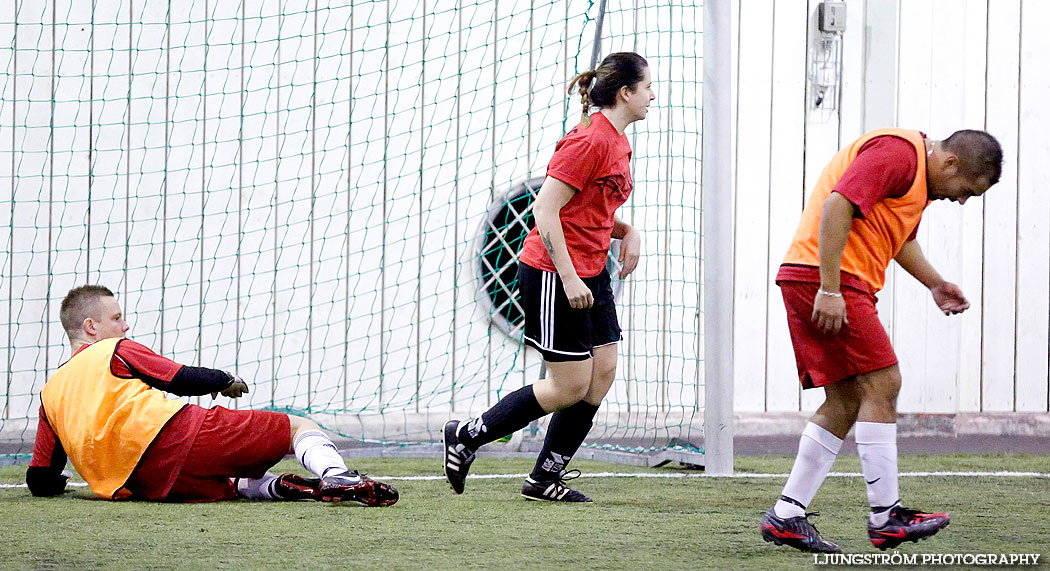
pixel 598 87
pixel 583 82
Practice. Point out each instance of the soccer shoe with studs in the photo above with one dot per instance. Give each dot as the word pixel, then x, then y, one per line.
pixel 457 456
pixel 795 532
pixel 553 490
pixel 906 525
pixel 354 487
pixel 296 487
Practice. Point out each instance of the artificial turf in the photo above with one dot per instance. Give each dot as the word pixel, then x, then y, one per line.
pixel 634 523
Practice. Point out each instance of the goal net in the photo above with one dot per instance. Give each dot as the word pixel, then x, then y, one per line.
pixel 328 197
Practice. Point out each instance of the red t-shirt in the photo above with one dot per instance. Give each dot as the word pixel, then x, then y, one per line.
pixel 884 168
pixel 596 161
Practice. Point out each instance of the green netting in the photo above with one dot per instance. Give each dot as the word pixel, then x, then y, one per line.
pixel 302 192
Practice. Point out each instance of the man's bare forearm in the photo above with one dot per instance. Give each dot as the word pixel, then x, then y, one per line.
pixel 836 220
pixel 915 263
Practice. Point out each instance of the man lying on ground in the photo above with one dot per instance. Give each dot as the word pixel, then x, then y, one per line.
pixel 105 409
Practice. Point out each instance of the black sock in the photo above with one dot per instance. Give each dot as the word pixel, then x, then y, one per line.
pixel 565 433
pixel 513 412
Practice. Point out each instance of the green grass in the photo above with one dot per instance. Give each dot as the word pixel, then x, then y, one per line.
pixel 694 523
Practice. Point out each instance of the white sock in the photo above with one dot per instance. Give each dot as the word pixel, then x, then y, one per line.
pixel 316 453
pixel 877 447
pixel 258 489
pixel 817 450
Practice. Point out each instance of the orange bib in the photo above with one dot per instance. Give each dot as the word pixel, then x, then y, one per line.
pixel 104 422
pixel 875 239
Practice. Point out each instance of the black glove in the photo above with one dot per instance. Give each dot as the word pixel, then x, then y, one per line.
pixel 44 481
pixel 237 388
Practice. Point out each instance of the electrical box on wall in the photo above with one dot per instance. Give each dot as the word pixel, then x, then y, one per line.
pixel 832 17
pixel 825 57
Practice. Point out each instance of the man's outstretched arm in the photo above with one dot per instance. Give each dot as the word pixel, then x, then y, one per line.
pixel 135 360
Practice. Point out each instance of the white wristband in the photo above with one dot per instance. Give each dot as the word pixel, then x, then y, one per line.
pixel 829 293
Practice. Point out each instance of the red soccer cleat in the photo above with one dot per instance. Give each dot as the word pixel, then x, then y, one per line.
pixel 906 525
pixel 355 487
pixel 796 532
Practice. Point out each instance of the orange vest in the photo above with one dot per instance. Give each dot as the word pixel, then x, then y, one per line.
pixel 875 239
pixel 104 422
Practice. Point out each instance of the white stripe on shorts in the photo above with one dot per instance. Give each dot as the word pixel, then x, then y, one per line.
pixel 547 309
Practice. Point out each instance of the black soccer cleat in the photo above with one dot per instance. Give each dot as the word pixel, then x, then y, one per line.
pixel 553 490
pixel 458 457
pixel 795 532
pixel 906 525
pixel 296 487
pixel 354 487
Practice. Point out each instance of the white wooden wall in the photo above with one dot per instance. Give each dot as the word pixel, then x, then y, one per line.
pixel 933 65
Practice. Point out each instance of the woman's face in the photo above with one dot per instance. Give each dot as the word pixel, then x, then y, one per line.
pixel 639 98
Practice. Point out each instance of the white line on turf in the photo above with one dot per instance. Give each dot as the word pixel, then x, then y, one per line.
pixel 738 476
pixel 680 475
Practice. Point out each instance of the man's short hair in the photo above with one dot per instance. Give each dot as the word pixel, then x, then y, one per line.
pixel 77 305
pixel 979 153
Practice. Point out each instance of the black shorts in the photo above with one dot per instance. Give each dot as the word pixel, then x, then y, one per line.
pixel 560 332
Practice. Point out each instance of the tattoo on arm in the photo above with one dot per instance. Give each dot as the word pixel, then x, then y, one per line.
pixel 547 243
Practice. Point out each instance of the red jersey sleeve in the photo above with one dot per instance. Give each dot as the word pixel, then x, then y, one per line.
pixel 47 450
pixel 44 475
pixel 574 162
pixel 135 360
pixel 884 168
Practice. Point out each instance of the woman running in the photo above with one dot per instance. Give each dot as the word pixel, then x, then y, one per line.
pixel 566 292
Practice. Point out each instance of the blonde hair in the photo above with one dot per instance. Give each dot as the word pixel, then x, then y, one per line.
pixel 78 305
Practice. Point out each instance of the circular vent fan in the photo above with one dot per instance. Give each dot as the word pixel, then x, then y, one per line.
pixel 500 240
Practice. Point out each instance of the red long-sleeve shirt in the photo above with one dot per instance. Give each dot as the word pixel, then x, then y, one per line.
pixel 130 360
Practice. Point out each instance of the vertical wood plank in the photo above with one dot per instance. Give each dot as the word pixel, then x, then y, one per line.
pixel 822 142
pixel 851 114
pixel 1000 223
pixel 881 77
pixel 910 299
pixel 1033 208
pixel 752 205
pixel 937 380
pixel 734 81
pixel 972 280
pixel 786 190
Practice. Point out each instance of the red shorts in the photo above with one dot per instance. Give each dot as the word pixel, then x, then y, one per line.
pixel 861 347
pixel 229 444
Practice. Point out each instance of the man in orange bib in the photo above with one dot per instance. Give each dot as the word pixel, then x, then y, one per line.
pixel 104 409
pixel 864 212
